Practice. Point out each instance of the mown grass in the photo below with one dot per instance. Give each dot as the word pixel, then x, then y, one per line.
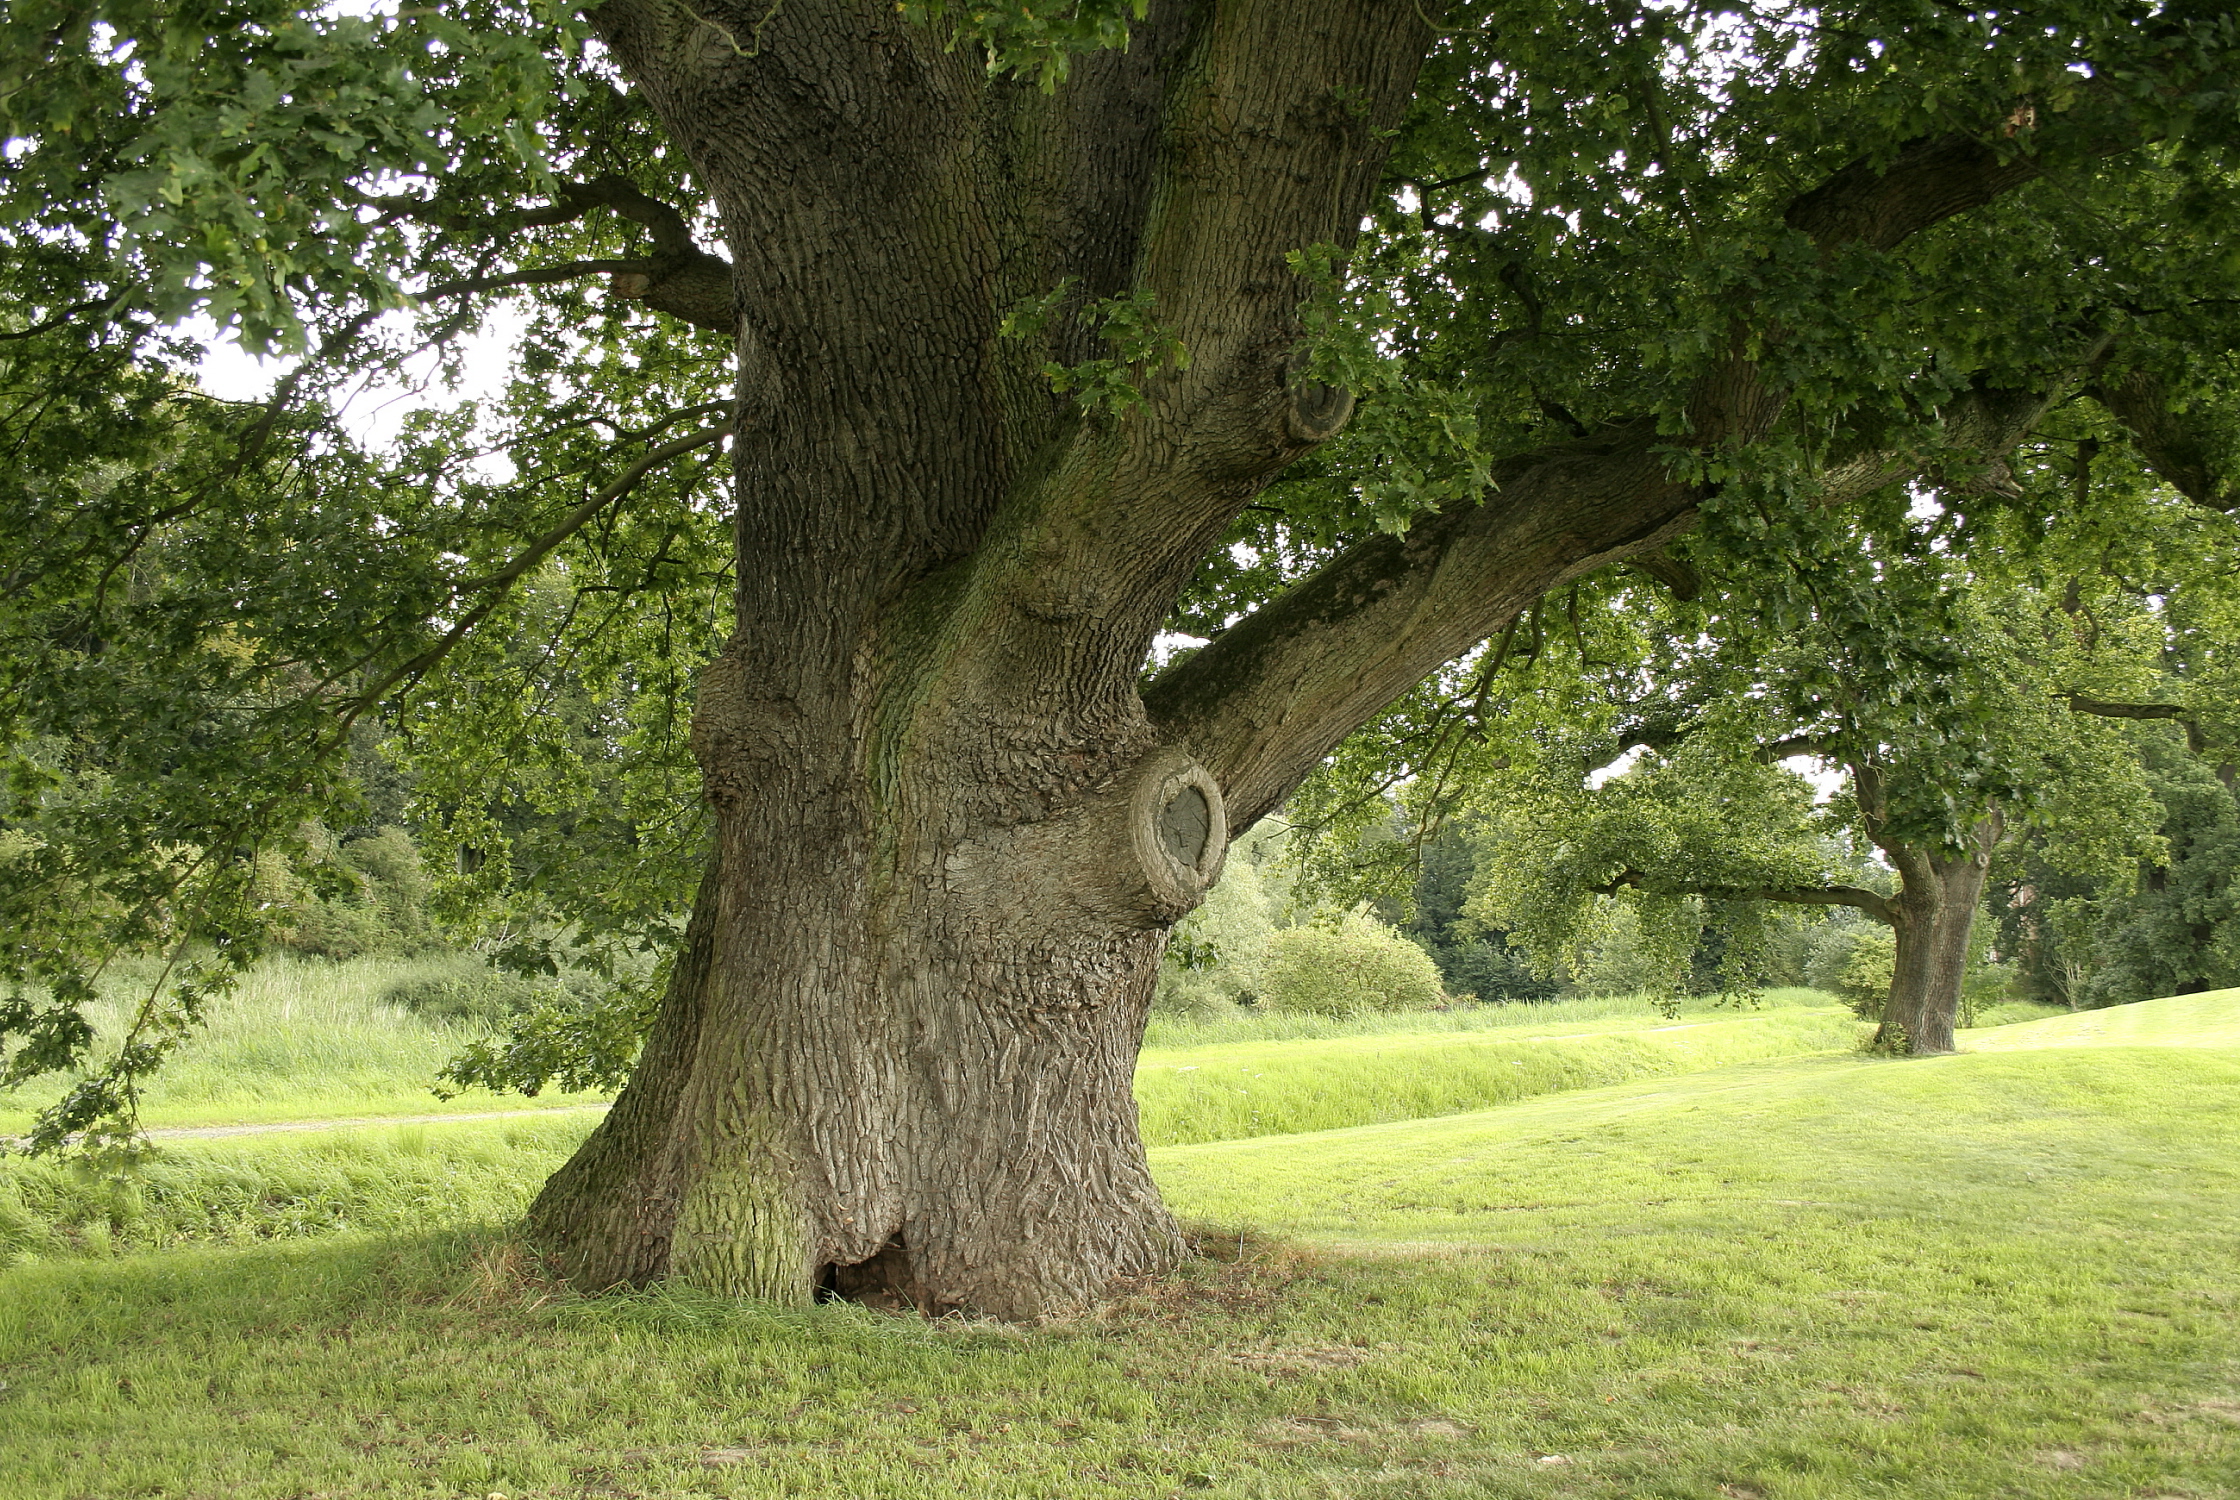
pixel 2008 1273
pixel 1233 1091
pixel 299 1039
pixel 2207 1020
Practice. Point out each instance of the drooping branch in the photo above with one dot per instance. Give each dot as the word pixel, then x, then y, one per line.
pixel 494 587
pixel 1676 575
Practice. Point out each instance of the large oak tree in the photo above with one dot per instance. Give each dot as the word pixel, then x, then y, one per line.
pixel 1027 305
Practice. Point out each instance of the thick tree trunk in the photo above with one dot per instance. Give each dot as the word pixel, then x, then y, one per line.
pixel 896 1061
pixel 918 1094
pixel 1933 914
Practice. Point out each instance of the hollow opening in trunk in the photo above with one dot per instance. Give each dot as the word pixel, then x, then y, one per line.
pixel 1184 826
pixel 885 1281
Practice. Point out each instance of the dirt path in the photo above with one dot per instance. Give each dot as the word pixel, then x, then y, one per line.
pixel 215 1132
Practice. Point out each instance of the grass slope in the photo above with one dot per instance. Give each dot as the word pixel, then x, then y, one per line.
pixel 2205 1020
pixel 1230 1092
pixel 2001 1274
pixel 379 1177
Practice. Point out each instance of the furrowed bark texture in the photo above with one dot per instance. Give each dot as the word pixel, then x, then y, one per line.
pixel 1934 914
pixel 896 1060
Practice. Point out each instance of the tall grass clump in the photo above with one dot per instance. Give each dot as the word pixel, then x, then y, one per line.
pixel 299 1038
pixel 272 1187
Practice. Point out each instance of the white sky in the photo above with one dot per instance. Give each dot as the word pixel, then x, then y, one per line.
pixel 373 412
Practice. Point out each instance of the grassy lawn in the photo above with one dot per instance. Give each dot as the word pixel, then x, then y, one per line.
pixel 2010 1273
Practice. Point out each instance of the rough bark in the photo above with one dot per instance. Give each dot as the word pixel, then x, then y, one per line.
pixel 895 1062
pixel 2195 465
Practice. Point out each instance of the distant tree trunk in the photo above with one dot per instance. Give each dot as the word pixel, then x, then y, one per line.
pixel 1932 916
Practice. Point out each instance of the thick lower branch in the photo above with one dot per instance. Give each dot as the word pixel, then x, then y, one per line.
pixel 1263 703
pixel 2196 467
pixel 1873 903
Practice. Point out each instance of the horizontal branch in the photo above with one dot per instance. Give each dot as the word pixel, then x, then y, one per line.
pixel 1796 744
pixel 679 279
pixel 1873 903
pixel 698 290
pixel 572 270
pixel 2176 713
pixel 65 316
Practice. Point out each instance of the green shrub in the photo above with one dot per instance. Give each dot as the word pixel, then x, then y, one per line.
pixel 1215 957
pixel 1826 945
pixel 1864 980
pixel 345 900
pixel 1358 965
pixel 1620 963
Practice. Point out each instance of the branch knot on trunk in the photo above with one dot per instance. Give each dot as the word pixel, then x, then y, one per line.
pixel 1180 829
pixel 1316 412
